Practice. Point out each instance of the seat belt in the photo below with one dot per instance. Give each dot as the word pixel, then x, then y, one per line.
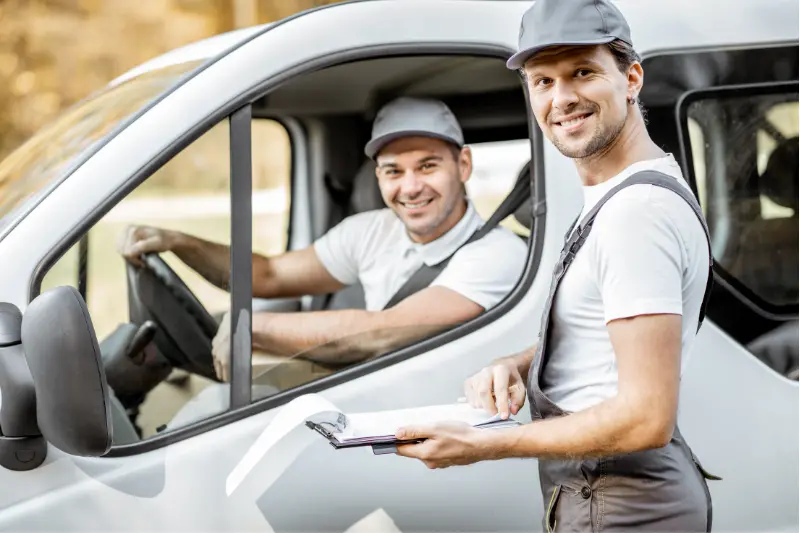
pixel 425 275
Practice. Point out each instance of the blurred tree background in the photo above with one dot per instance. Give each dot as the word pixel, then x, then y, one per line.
pixel 53 53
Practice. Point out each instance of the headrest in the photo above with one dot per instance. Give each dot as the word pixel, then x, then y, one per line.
pixel 524 213
pixel 366 193
pixel 780 179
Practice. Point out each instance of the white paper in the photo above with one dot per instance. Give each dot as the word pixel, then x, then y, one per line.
pixel 388 422
pixel 283 439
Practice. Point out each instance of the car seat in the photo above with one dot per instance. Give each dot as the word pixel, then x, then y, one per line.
pixel 770 258
pixel 767 258
pixel 524 213
pixel 366 196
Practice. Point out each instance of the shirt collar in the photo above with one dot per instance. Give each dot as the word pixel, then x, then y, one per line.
pixel 436 251
pixel 593 193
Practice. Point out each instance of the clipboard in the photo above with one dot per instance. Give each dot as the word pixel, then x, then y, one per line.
pixel 380 444
pixel 383 444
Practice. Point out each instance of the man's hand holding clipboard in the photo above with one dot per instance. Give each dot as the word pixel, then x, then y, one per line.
pixel 498 389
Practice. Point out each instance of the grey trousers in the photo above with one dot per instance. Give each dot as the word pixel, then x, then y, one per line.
pixel 660 490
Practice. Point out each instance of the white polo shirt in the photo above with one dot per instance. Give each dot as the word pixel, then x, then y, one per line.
pixel 646 254
pixel 374 248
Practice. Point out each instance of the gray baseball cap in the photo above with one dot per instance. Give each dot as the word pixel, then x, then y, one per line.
pixel 568 22
pixel 406 117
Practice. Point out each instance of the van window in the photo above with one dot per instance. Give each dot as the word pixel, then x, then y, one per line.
pixel 495 130
pixel 496 168
pixel 730 116
pixel 744 154
pixel 190 194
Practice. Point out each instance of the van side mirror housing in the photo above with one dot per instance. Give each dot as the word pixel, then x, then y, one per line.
pixel 22 446
pixel 65 362
pixel 52 381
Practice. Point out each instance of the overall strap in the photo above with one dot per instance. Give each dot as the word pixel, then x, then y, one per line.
pixel 658 179
pixel 576 239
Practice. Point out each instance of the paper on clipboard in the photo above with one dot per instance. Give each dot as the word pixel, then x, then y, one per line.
pixel 283 439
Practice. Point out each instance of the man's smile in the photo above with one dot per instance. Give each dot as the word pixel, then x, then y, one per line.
pixel 573 123
pixel 416 204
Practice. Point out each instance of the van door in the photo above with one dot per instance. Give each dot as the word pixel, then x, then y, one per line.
pixel 172 475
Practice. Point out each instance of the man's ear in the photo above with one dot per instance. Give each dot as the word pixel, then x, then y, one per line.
pixel 635 80
pixel 465 164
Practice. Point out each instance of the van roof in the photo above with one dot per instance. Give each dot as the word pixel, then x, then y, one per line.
pixel 199 50
pixel 693 11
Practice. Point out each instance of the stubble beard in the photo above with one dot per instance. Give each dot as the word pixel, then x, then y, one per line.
pixel 435 224
pixel 601 139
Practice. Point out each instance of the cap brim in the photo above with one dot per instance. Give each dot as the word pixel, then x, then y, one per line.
pixel 375 145
pixel 518 60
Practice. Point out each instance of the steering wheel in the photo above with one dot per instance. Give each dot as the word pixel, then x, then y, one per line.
pixel 184 327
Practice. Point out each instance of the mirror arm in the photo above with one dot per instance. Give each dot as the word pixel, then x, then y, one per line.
pixel 22 446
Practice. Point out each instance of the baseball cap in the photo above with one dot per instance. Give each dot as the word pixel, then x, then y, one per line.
pixel 566 23
pixel 406 117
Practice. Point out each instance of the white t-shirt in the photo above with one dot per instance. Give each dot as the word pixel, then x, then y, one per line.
pixel 646 253
pixel 374 248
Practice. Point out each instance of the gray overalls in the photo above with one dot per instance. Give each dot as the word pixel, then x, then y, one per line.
pixel 656 490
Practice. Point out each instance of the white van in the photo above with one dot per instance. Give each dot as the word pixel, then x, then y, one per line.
pixel 254 139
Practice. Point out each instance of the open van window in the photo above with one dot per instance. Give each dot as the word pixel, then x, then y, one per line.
pixel 45 156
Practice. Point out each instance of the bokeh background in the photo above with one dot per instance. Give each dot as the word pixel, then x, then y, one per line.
pixel 54 53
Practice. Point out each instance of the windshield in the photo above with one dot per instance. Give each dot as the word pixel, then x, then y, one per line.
pixel 26 172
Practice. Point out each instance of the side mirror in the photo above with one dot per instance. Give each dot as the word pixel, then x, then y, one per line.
pixel 61 349
pixel 22 446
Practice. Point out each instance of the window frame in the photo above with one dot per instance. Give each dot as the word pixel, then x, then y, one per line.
pixel 731 283
pixel 246 99
pixel 241 264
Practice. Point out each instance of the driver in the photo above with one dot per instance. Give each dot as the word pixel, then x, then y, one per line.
pixel 422 166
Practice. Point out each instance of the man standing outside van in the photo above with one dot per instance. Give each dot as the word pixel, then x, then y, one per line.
pixel 627 297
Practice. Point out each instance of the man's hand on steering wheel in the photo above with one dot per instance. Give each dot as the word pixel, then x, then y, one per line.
pixel 221 349
pixel 186 331
pixel 139 240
